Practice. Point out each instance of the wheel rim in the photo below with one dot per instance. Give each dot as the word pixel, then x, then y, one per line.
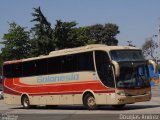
pixel 91 102
pixel 26 102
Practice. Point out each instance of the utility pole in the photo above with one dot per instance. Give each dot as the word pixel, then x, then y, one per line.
pixel 159 35
pixel 158 41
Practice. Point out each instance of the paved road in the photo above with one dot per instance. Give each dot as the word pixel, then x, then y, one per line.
pixel 156 91
pixel 142 110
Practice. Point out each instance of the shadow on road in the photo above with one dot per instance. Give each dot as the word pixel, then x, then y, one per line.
pixel 110 108
pixel 129 107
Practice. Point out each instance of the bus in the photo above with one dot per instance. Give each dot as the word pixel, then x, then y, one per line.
pixel 92 76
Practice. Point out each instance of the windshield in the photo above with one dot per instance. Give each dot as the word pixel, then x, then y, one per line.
pixel 133 77
pixel 127 55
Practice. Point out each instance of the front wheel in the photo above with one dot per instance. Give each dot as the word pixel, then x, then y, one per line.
pixel 25 102
pixel 89 102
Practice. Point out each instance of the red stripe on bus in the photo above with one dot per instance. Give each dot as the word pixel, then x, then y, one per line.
pixel 18 83
pixel 97 86
pixel 12 92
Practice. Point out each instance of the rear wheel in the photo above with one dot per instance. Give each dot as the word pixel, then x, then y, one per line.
pixel 89 102
pixel 25 102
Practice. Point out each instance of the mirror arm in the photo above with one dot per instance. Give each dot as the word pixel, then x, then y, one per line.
pixel 155 66
pixel 116 67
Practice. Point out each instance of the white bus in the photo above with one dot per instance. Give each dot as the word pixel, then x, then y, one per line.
pixel 91 75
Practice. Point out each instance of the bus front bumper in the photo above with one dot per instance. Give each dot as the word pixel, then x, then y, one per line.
pixel 130 99
pixel 134 99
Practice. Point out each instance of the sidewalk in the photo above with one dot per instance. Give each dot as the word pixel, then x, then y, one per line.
pixel 155 91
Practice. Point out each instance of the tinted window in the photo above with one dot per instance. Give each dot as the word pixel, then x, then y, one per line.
pixel 104 68
pixel 69 63
pixel 127 55
pixel 28 68
pixel 53 65
pixel 41 67
pixel 12 70
pixel 17 69
pixel 85 61
pixel 7 70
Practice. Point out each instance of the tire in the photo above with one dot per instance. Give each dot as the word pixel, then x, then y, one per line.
pixel 25 102
pixel 118 107
pixel 89 102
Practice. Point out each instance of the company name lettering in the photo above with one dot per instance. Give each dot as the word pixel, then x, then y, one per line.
pixel 61 78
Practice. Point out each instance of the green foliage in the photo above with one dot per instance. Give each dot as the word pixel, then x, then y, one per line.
pixel 104 34
pixel 16 43
pixel 43 39
pixel 83 35
pixel 67 35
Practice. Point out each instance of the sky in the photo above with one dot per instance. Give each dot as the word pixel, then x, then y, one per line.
pixel 137 19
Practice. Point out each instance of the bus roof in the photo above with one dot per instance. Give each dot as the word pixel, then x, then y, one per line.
pixel 76 50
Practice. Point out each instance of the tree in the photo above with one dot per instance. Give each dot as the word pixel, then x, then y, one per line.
pixel 110 31
pixel 95 33
pixel 67 35
pixel 43 38
pixel 16 43
pixel 83 35
pixel 19 44
pixel 104 34
pixel 148 47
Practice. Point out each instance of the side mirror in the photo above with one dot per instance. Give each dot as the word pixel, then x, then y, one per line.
pixel 116 68
pixel 154 65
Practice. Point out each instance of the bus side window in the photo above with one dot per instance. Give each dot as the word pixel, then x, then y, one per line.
pixel 69 63
pixel 104 68
pixel 85 61
pixel 12 70
pixel 8 71
pixel 40 67
pixel 28 68
pixel 17 69
pixel 54 65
